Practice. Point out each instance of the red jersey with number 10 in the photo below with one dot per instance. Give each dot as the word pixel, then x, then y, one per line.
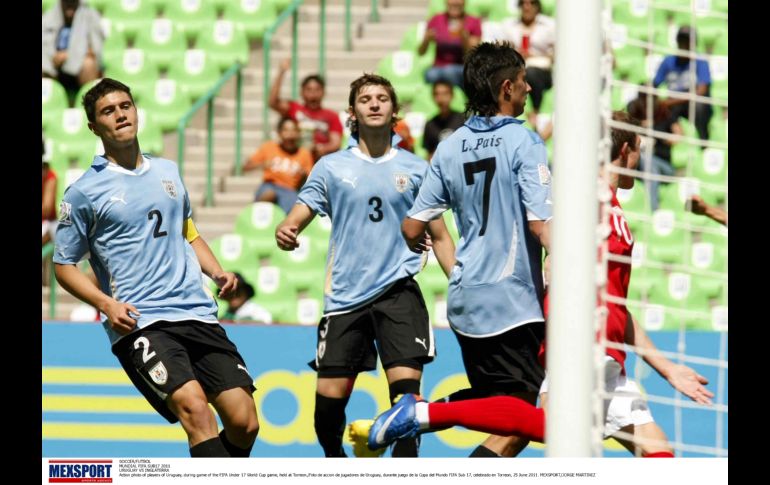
pixel 620 242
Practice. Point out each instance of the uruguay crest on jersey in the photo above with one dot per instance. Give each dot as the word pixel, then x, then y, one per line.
pixel 169 187
pixel 402 182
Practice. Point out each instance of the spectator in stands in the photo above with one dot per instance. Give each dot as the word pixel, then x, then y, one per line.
pixel 534 36
pixel 286 166
pixel 241 307
pixel 675 72
pixel 454 33
pixel 700 207
pixel 49 200
pixel 445 122
pixel 72 44
pixel 659 161
pixel 321 128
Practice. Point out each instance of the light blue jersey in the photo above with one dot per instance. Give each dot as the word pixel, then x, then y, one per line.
pixel 366 200
pixel 493 174
pixel 129 224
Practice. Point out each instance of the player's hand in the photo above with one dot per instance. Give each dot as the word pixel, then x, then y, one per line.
pixel 227 283
pixel 547 270
pixel 424 244
pixel 697 205
pixel 690 383
pixel 286 237
pixel 284 65
pixel 119 315
pixel 59 58
pixel 430 35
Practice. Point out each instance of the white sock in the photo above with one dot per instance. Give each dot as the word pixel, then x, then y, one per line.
pixel 421 414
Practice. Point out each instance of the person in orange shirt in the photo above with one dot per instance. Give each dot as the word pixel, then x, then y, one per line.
pixel 286 166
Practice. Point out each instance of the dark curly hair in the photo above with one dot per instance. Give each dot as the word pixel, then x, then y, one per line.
pixel 486 67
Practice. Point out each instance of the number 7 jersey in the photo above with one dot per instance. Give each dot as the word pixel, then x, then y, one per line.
pixel 493 174
pixel 129 223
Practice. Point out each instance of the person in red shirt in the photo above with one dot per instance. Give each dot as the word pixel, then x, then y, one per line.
pixel 321 128
pixel 626 413
pixel 286 166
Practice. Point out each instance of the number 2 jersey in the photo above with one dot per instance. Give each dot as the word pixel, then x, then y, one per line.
pixel 129 223
pixel 493 174
pixel 366 199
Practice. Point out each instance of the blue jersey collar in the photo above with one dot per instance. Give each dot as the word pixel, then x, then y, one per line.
pixel 481 124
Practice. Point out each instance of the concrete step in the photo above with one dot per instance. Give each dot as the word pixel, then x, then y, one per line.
pixel 205 216
pixel 212 230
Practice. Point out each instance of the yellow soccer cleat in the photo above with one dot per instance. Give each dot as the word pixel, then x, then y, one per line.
pixel 358 435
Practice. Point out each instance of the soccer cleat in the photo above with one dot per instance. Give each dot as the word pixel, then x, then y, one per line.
pixel 358 433
pixel 395 423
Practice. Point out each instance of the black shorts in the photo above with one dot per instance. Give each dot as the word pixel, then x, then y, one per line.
pixel 506 363
pixel 160 358
pixel 397 321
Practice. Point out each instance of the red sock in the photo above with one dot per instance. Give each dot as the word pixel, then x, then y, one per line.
pixel 659 454
pixel 500 415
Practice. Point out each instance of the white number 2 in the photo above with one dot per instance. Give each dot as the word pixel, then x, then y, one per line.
pixel 145 344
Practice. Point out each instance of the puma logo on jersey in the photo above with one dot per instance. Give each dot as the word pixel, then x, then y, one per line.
pixel 421 342
pixel 352 183
pixel 243 368
pixel 120 198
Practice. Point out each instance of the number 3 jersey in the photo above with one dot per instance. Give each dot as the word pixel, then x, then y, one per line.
pixel 493 174
pixel 129 224
pixel 366 199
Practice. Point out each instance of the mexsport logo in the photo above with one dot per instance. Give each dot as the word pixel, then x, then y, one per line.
pixel 79 471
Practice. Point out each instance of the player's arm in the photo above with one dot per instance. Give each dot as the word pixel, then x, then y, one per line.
pixel 681 377
pixel 274 100
pixel 443 246
pixel 225 280
pixel 413 231
pixel 287 231
pixel 81 286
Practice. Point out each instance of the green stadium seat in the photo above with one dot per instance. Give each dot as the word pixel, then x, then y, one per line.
pixel 167 104
pixel 634 200
pixel 162 42
pixel 137 71
pixel 225 43
pixel 678 295
pixel 258 217
pixel 71 134
pixel 630 64
pixel 411 42
pixel 130 16
pixel 711 168
pixel 195 72
pixel 236 253
pixel 666 242
pixel 305 267
pixel 255 16
pixel 503 9
pixel 112 50
pixel 306 310
pixel 401 69
pixel 707 256
pixel 54 101
pixel 47 4
pixel 149 134
pixel 190 16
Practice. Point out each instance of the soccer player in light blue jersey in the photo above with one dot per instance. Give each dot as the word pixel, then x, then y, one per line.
pixel 370 295
pixel 493 174
pixel 130 215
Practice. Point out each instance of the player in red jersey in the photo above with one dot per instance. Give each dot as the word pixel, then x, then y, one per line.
pixel 627 416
